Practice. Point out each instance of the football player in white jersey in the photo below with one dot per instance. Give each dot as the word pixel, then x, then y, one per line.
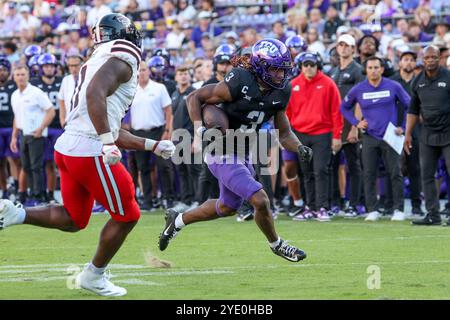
pixel 88 154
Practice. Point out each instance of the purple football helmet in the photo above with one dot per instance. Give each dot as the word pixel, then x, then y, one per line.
pixel 223 53
pixel 31 51
pixel 271 55
pixel 296 45
pixel 34 66
pixel 45 59
pixel 158 68
pixel 4 62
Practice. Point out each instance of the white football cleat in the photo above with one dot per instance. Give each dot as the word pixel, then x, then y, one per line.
pixel 372 216
pixel 99 284
pixel 9 214
pixel 398 216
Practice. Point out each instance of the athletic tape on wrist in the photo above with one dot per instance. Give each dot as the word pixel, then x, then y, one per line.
pixel 107 138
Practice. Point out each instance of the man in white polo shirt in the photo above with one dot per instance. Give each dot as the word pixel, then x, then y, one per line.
pixel 151 117
pixel 68 87
pixel 33 112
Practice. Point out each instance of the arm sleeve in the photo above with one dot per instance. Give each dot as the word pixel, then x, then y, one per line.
pixel 347 105
pixel 234 83
pixel 335 102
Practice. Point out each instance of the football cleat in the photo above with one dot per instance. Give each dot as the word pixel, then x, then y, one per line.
pixel 99 284
pixel 169 231
pixel 9 214
pixel 291 253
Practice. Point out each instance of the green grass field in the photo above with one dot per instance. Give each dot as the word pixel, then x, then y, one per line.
pixel 223 259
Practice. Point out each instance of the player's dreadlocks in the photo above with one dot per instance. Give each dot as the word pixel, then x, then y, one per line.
pixel 241 62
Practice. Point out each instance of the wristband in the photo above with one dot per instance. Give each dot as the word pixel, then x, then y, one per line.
pixel 200 130
pixel 150 144
pixel 107 138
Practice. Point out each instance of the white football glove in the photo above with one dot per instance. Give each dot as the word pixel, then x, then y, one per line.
pixel 165 149
pixel 111 154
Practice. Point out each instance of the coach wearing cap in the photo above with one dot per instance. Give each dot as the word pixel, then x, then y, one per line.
pixel 431 101
pixel 313 112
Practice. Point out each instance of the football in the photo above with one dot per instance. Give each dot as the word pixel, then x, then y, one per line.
pixel 214 117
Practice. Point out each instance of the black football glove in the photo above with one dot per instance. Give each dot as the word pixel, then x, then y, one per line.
pixel 305 153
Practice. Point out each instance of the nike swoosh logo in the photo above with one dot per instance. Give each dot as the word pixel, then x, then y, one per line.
pixel 319 87
pixel 421 85
pixel 375 100
pixel 276 102
pixel 165 231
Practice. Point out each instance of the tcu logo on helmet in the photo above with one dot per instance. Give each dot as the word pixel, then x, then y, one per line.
pixel 267 47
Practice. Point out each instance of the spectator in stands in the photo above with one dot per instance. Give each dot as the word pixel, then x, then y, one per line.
pixel 316 21
pixel 277 31
pixel 175 37
pixel 11 52
pixel 332 23
pixel 232 38
pixel 362 12
pixel 204 25
pixel 169 11
pixel 44 34
pixel 97 11
pixel 349 6
pixel 314 42
pixel 415 33
pixel 154 12
pixel 250 37
pixel 302 24
pixel 82 22
pixel 132 10
pixel 444 54
pixel 186 11
pixel 321 5
pixel 53 19
pixel 409 6
pixel 28 21
pixel 388 8
pixel 160 33
pixel 423 17
pixel 442 35
pixel 291 20
pixel 401 27
pixel 207 5
pixel 12 19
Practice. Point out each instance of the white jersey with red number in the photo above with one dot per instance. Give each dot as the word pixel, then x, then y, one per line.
pixel 80 137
